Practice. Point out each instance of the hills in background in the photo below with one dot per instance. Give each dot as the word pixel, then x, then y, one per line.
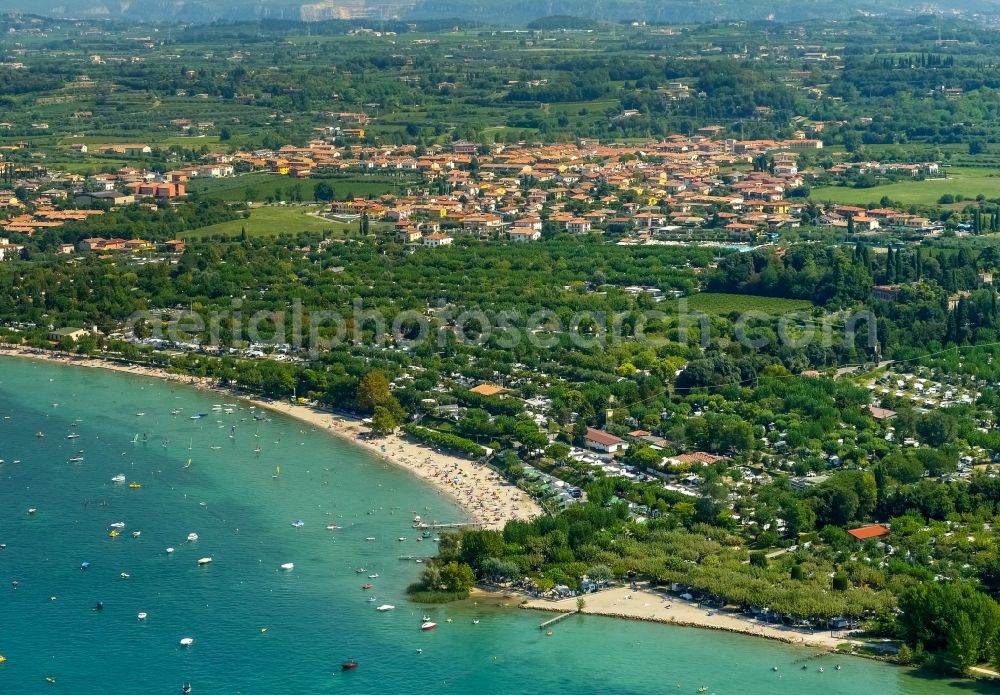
pixel 502 12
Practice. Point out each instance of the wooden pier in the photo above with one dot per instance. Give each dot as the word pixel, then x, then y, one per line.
pixel 471 524
pixel 553 621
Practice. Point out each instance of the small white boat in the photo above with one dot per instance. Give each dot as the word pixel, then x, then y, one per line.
pixel 31 510
pixel 370 538
pixel 72 435
pixel 140 414
pixel 298 523
pixel 117 524
pixel 120 478
pixel 204 560
pixel 125 575
pixel 76 459
pixel 475 622
pixel 187 641
pixel 169 550
pixel 136 534
pixel 288 566
pixel 371 599
pixel 428 625
pixel 332 527
pixel 402 538
pixel 192 537
pixel 141 616
pixel 385 607
pixel 373 576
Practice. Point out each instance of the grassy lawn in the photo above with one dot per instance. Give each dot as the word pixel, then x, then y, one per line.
pixel 271 220
pixel 258 186
pixel 722 303
pixel 968 182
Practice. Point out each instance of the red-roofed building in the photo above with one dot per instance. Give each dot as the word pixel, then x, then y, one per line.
pixel 599 440
pixel 869 531
pixel 881 413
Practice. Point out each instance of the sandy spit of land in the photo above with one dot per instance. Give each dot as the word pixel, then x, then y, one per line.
pixel 485 496
pixel 646 604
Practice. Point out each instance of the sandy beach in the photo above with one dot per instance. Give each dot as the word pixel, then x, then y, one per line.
pixel 486 497
pixel 646 604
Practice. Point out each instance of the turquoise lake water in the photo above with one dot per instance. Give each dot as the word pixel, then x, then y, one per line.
pixel 316 615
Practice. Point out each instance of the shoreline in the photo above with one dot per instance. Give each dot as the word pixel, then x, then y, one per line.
pixel 652 606
pixel 480 492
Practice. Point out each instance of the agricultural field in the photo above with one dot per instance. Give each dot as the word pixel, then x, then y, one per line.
pixel 965 181
pixel 723 303
pixel 272 220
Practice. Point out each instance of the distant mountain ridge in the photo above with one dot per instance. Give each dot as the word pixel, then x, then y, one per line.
pixel 517 12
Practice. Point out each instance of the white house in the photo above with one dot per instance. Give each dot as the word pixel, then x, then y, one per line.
pixel 435 240
pixel 599 440
pixel 521 234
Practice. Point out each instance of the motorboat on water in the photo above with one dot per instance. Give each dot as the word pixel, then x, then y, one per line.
pixel 71 435
pixel 402 538
pixel 32 510
pixel 366 587
pixel 385 607
pixel 136 534
pixel 370 538
pixel 117 524
pixel 76 459
pixel 360 570
pixel 204 560
pixel 186 689
pixel 373 576
pixel 120 478
pixel 349 665
pixel 298 523
pixel 134 486
pixel 371 599
pixel 169 550
pixel 288 566
pixel 192 537
pixel 187 641
pixel 428 625
pixel 114 533
pixel 84 565
pixel 332 527
pixel 141 616
pixel 124 575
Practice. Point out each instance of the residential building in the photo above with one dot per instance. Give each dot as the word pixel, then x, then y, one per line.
pixel 599 440
pixel 435 240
